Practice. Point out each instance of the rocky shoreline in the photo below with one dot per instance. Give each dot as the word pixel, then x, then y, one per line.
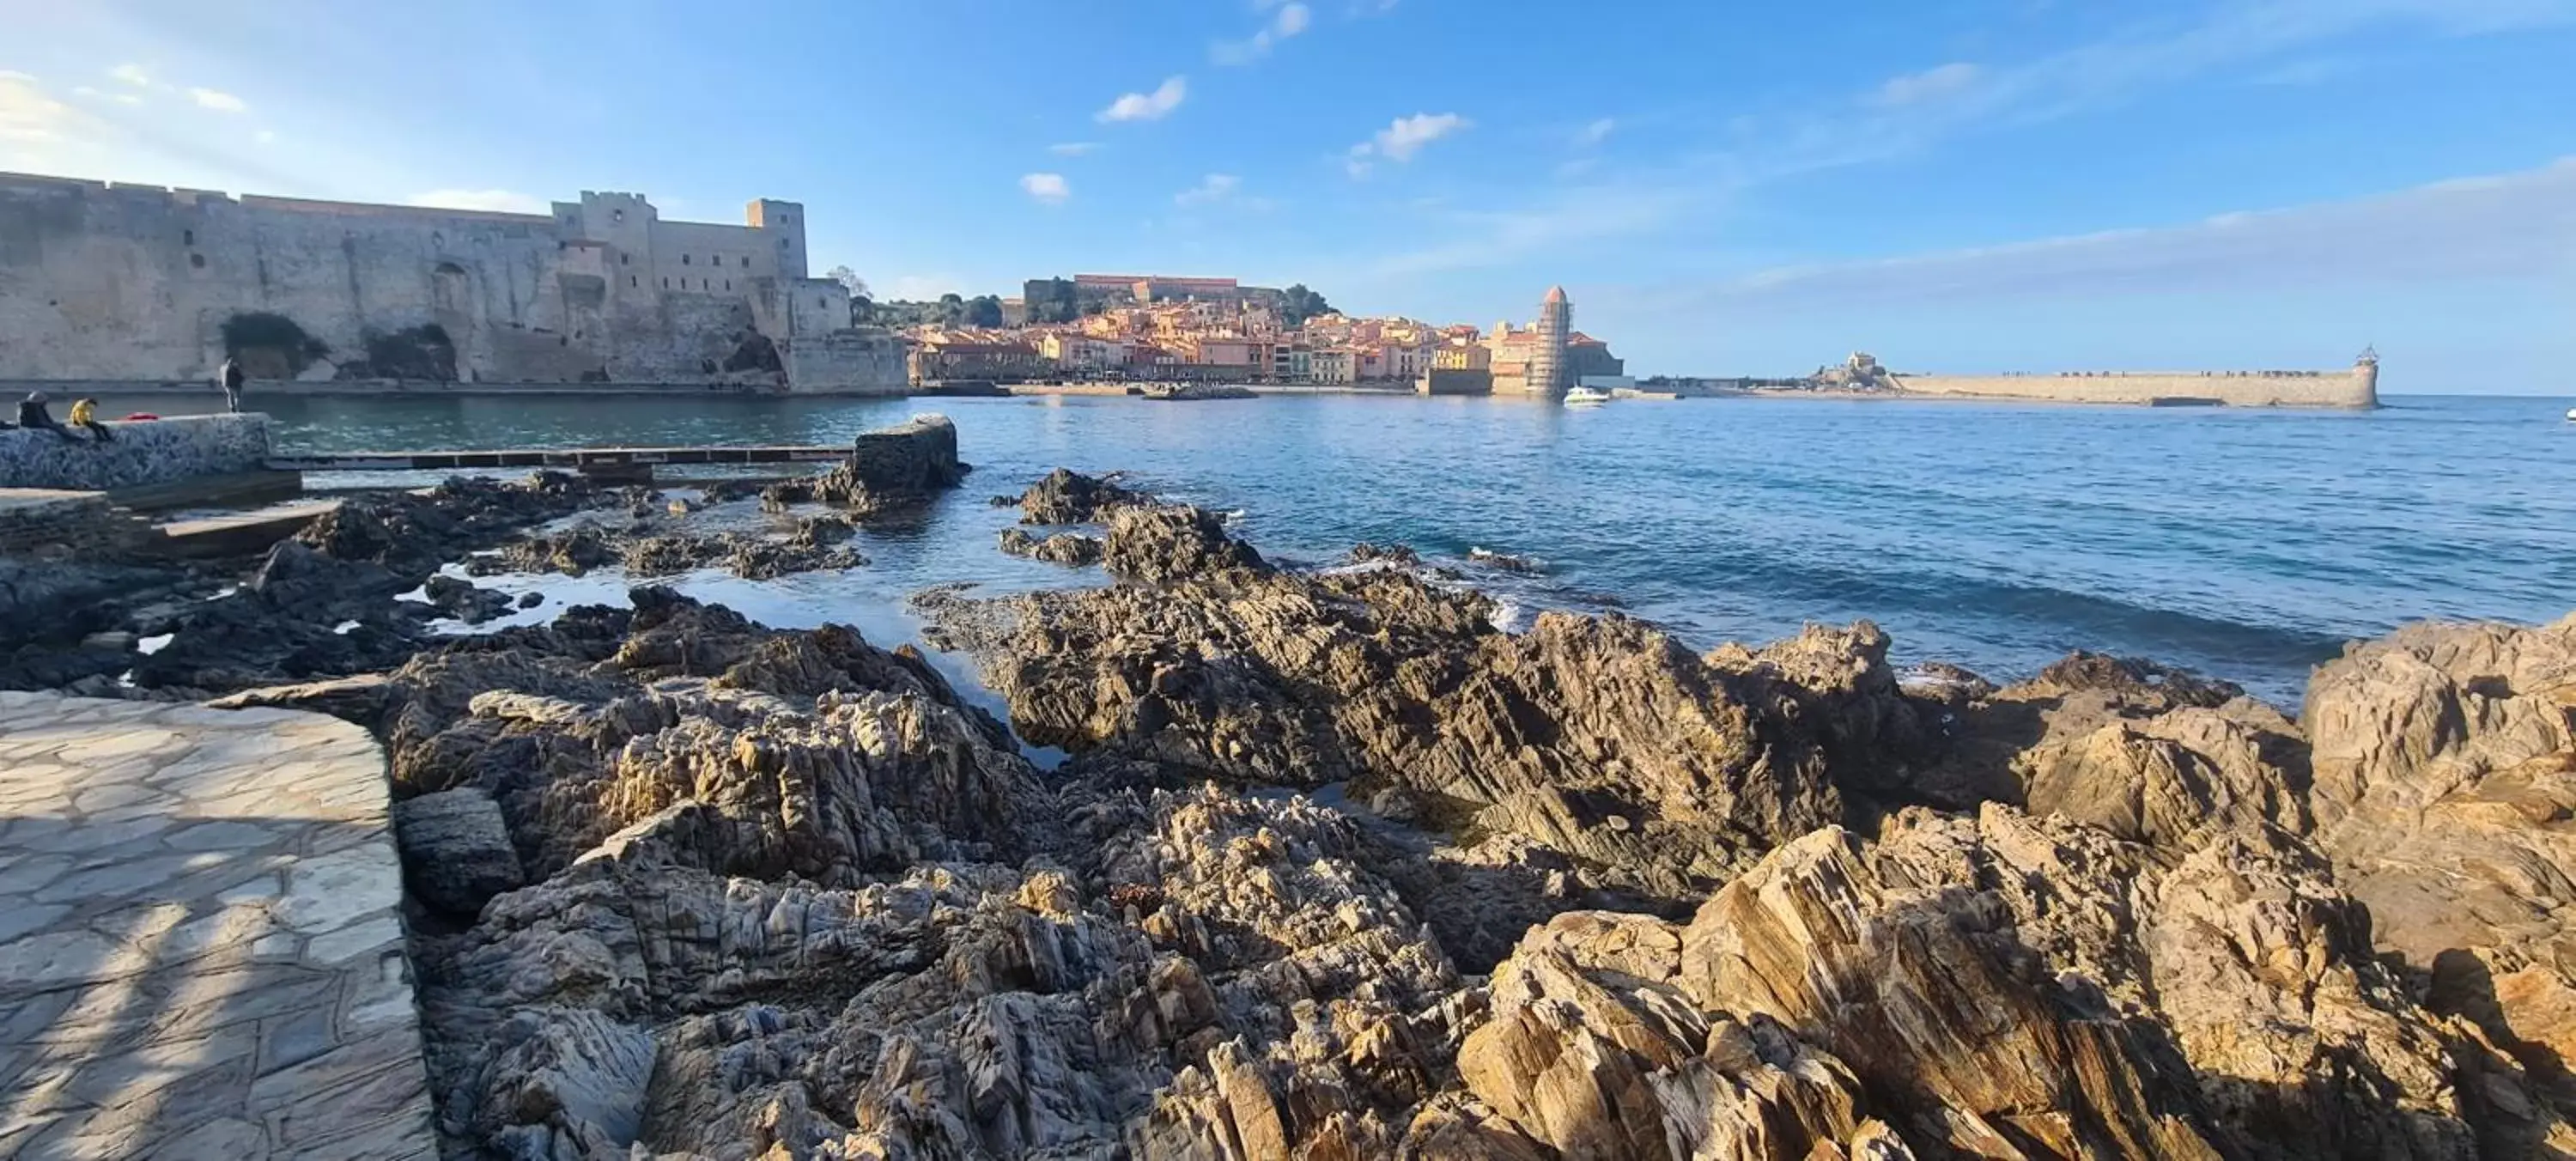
pixel 1336 869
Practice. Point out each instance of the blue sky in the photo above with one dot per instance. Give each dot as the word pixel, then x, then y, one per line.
pixel 1955 185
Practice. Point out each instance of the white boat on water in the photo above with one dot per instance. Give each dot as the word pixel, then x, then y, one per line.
pixel 1586 397
pixel 2571 415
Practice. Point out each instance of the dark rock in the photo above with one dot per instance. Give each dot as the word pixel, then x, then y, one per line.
pixel 572 551
pixel 1069 497
pixel 1165 543
pixel 1506 562
pixel 822 531
pixel 1400 554
pixel 463 601
pixel 2144 681
pixel 1062 548
pixel 456 851
pixel 415 532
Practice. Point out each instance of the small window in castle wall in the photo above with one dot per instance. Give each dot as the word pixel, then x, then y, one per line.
pixel 631 280
pixel 187 237
pixel 197 260
pixel 746 261
pixel 625 259
pixel 728 284
pixel 684 259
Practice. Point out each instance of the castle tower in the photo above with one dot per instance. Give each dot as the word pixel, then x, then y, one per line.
pixel 1547 361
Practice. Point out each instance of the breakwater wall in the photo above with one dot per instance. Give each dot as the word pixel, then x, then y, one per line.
pixel 144 452
pixel 2355 388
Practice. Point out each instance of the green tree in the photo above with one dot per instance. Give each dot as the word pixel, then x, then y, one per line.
pixel 984 310
pixel 952 310
pixel 1051 300
pixel 1303 304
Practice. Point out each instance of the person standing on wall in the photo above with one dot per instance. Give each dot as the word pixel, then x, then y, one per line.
pixel 230 377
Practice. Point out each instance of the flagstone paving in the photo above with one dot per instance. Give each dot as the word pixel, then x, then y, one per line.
pixel 201 941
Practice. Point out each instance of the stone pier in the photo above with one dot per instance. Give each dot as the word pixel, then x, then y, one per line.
pixel 201 941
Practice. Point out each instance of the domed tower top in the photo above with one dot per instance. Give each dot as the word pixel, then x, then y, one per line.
pixel 1555 294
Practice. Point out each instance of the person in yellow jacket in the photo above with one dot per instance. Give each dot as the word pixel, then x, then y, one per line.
pixel 85 414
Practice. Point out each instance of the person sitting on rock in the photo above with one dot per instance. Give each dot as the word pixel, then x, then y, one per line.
pixel 85 415
pixel 32 415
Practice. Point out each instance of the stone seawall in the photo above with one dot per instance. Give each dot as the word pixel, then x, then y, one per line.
pixel 146 452
pixel 2357 388
pixel 39 524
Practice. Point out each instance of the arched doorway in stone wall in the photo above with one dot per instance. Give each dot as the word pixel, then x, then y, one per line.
pixel 451 306
pixel 451 296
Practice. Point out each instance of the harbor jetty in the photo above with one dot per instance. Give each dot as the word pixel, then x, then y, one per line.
pixel 2355 388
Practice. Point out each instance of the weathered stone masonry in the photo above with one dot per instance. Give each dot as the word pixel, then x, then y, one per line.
pixel 113 282
pixel 152 452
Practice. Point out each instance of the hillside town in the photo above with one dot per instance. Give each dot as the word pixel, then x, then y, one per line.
pixel 1101 328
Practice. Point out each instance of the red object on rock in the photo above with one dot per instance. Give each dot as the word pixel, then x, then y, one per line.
pixel 133 416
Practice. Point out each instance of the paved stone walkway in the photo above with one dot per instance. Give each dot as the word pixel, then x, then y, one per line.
pixel 201 948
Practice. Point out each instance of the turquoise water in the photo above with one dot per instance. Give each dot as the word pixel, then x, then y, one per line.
pixel 2245 544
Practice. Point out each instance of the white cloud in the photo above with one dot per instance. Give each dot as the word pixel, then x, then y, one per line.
pixel 1153 106
pixel 1215 187
pixel 28 115
pixel 1407 135
pixel 1047 188
pixel 1072 148
pixel 217 100
pixel 1290 20
pixel 499 201
pixel 1929 85
pixel 131 74
pixel 1648 203
pixel 2511 226
pixel 269 137
pixel 1594 133
pixel 1402 138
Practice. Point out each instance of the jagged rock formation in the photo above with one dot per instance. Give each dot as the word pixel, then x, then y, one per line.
pixel 2444 768
pixel 1066 548
pixel 1336 869
pixel 1598 752
pixel 1069 497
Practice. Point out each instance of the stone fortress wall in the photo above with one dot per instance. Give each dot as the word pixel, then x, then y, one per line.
pixel 2356 388
pixel 114 282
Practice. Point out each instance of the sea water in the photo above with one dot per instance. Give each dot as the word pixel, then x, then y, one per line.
pixel 2247 544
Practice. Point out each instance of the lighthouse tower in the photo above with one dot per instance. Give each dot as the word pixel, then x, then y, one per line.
pixel 1547 362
